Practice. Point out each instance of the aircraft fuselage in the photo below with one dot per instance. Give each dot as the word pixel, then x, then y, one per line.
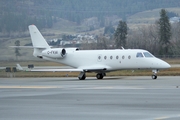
pixel 111 59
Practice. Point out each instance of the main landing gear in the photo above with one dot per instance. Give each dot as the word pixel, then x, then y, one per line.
pixel 82 75
pixel 100 75
pixel 154 76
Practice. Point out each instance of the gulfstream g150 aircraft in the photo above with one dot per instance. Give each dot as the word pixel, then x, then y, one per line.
pixel 98 61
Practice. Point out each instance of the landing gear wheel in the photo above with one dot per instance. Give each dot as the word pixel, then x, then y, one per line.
pixel 99 76
pixel 82 76
pixel 154 76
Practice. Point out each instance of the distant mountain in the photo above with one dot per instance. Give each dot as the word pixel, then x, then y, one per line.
pixel 16 15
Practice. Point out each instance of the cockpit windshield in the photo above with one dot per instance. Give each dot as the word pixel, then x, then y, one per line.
pixel 147 54
pixel 144 54
pixel 139 55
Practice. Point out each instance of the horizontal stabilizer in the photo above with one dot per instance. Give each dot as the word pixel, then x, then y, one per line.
pixel 41 47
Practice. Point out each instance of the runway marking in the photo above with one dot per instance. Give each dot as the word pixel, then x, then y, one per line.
pixel 161 118
pixel 111 87
pixel 167 117
pixel 26 87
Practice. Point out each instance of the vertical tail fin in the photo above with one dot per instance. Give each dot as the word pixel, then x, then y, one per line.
pixel 38 40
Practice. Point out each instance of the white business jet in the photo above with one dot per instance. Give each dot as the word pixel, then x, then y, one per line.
pixel 98 61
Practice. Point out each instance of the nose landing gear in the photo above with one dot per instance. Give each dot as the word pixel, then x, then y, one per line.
pixel 154 76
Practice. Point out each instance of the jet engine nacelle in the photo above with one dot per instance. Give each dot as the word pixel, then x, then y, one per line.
pixel 54 53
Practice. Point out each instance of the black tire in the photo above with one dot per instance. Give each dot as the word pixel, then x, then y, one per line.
pixel 154 76
pixel 83 77
pixel 99 76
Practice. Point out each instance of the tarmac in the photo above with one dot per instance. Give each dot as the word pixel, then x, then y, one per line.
pixel 65 67
pixel 113 98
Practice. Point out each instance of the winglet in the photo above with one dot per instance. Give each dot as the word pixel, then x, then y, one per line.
pixel 19 67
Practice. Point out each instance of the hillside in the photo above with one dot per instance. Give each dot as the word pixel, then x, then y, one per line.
pixel 16 15
pixel 147 17
pixel 67 27
pixel 57 17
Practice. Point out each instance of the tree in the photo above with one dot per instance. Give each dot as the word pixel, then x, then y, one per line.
pixel 102 42
pixel 17 43
pixel 175 41
pixel 109 30
pixel 120 34
pixel 145 37
pixel 164 32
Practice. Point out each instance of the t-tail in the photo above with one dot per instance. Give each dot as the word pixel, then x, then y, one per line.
pixel 38 41
pixel 41 47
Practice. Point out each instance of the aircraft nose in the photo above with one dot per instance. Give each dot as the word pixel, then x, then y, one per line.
pixel 166 65
pixel 162 64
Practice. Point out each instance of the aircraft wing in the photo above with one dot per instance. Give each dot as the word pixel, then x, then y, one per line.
pixel 80 69
pixel 92 68
pixel 57 70
pixel 49 70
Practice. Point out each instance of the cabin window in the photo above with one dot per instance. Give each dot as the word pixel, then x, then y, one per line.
pixel 99 57
pixel 129 57
pixel 105 57
pixel 111 57
pixel 117 57
pixel 123 57
pixel 139 55
pixel 147 54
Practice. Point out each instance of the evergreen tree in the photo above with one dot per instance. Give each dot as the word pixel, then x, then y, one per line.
pixel 109 30
pixel 120 34
pixel 17 53
pixel 164 32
